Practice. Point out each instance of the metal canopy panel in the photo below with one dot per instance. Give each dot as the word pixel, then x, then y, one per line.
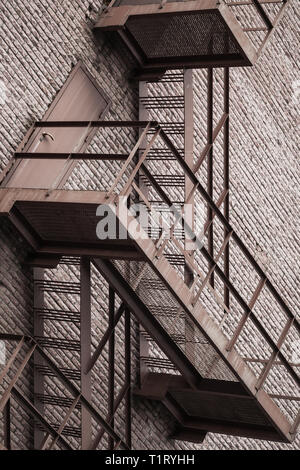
pixel 79 99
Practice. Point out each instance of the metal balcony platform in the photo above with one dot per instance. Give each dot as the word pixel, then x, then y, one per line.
pixel 164 35
pixel 217 406
pixel 62 222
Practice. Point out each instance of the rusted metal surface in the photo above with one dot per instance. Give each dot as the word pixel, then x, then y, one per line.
pixel 215 406
pixel 227 226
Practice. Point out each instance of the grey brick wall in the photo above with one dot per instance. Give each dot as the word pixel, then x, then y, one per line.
pixel 40 41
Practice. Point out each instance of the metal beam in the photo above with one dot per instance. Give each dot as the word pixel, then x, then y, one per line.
pixel 273 29
pixel 92 251
pixel 142 191
pixel 158 385
pixel 204 61
pixel 71 156
pixel 132 46
pixel 24 228
pixel 43 261
pixel 6 395
pixel 111 363
pixel 128 417
pixel 95 124
pixel 207 147
pixel 85 349
pixel 38 331
pixel 189 158
pixel 117 402
pixel 250 2
pixel 7 426
pixel 226 180
pixel 210 172
pixel 218 270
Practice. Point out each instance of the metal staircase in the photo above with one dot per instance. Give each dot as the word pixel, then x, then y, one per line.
pixel 221 336
pixel 215 334
pixel 227 338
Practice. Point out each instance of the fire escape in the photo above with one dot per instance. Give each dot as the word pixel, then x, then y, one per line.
pixel 212 339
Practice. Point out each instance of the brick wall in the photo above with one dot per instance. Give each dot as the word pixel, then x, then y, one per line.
pixel 40 42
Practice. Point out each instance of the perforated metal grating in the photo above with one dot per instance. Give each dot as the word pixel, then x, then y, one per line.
pixel 175 35
pixel 223 408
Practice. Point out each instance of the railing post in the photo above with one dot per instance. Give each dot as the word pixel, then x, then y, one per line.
pixel 111 363
pixel 188 186
pixel 38 331
pixel 226 181
pixel 143 116
pixel 128 379
pixel 210 174
pixel 85 349
pixel 6 426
